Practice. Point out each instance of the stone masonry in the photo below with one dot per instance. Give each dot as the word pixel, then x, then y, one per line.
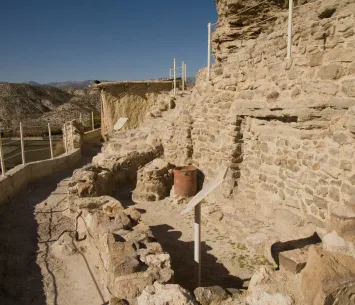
pixel 283 127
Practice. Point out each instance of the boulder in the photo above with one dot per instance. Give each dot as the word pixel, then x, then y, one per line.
pixel 210 295
pixel 327 277
pixel 261 297
pixel 333 242
pixel 169 294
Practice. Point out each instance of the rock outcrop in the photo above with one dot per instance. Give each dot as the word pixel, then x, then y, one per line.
pixel 327 278
pixel 165 295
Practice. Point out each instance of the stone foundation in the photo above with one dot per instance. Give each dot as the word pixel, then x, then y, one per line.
pixel 129 257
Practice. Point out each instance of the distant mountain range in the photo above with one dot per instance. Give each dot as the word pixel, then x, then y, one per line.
pixel 81 84
pixel 35 106
pixel 66 84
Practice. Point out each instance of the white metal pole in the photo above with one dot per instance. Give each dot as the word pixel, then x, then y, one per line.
pixel 2 161
pixel 185 70
pixel 290 23
pixel 197 241
pixel 72 135
pixel 209 50
pixel 22 145
pixel 92 120
pixel 66 138
pixel 183 76
pixel 50 141
pixel 174 76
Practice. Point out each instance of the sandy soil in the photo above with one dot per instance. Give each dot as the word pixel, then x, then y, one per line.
pixel 225 261
pixel 29 272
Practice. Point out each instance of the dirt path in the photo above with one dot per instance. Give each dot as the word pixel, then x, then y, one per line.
pixel 29 272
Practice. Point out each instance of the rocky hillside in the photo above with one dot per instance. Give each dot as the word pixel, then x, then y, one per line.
pixel 35 106
pixel 66 84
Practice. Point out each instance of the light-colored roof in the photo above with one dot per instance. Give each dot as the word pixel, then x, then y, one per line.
pixel 154 81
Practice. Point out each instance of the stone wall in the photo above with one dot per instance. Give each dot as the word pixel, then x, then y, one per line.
pixel 322 63
pixel 128 99
pixel 307 172
pixel 283 127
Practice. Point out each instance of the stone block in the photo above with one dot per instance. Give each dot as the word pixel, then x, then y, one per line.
pixel 342 221
pixel 325 87
pixel 340 138
pixel 340 55
pixel 316 59
pixel 334 194
pixel 345 165
pixel 294 260
pixel 332 71
pixel 352 68
pixel 348 87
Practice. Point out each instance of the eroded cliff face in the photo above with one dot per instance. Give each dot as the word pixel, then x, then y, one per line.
pixel 131 100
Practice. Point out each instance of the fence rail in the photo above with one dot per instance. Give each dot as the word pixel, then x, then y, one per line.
pixel 20 147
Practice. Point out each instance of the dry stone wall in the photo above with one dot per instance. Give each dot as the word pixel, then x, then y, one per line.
pixel 321 68
pixel 306 172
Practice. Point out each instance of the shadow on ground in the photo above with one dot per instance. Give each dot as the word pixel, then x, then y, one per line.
pixel 279 247
pixel 182 256
pixel 21 280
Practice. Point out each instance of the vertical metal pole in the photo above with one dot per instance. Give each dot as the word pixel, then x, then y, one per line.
pixel 209 50
pixel 66 138
pixel 197 240
pixel 81 118
pixel 183 76
pixel 174 76
pixel 22 145
pixel 50 141
pixel 72 135
pixel 92 120
pixel 2 161
pixel 290 23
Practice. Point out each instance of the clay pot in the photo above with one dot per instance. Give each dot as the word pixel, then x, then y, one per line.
pixel 185 181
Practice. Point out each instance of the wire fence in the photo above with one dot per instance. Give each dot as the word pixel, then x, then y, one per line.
pixel 22 147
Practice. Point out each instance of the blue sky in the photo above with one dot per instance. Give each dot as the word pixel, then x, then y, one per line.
pixel 50 40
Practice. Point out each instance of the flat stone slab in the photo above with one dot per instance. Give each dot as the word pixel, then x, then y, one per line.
pixel 342 221
pixel 294 260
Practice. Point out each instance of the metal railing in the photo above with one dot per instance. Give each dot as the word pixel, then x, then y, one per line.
pixel 183 73
pixel 20 147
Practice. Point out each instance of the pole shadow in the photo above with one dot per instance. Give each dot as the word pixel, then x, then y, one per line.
pixel 184 266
